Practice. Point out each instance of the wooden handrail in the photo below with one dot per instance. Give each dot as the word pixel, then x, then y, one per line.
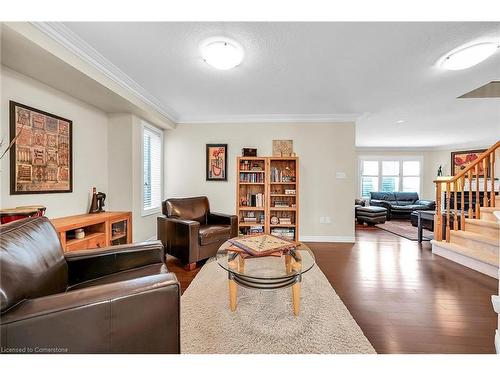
pixel 486 162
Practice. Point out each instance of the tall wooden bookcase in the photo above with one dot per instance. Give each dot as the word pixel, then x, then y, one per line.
pixel 267 190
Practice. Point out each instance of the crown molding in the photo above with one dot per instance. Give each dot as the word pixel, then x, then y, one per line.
pixel 72 42
pixel 271 118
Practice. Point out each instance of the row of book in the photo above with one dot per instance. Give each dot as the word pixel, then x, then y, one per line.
pixel 252 230
pixel 285 220
pixel 255 200
pixel 252 177
pixel 249 166
pixel 277 175
pixel 288 233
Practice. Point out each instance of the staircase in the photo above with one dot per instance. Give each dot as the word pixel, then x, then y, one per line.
pixel 474 239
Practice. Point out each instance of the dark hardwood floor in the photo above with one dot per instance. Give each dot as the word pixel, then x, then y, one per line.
pixel 404 298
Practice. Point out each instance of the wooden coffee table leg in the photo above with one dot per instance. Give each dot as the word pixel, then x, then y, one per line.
pixel 233 287
pixel 296 288
pixel 296 298
pixel 233 291
pixel 288 263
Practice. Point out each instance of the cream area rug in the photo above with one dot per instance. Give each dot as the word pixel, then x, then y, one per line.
pixel 263 321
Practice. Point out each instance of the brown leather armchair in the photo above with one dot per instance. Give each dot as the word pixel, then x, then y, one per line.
pixel 120 299
pixel 190 232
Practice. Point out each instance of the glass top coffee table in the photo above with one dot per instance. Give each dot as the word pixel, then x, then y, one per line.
pixel 266 272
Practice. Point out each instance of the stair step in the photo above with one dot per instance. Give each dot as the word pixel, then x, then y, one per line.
pixel 487 213
pixel 475 242
pixel 487 228
pixel 479 261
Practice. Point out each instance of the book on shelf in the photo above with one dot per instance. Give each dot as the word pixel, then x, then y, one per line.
pixel 250 219
pixel 255 200
pixel 285 220
pixel 252 177
pixel 288 233
pixel 256 229
pixel 281 204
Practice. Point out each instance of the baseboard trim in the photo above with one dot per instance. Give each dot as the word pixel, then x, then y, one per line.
pixel 466 261
pixel 345 239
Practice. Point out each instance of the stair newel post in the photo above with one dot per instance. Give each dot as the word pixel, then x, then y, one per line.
pixel 438 225
pixel 448 211
pixel 470 194
pixel 492 179
pixel 462 203
pixel 478 200
pixel 485 181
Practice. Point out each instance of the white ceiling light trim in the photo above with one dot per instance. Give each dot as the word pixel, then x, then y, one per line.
pixel 222 53
pixel 467 56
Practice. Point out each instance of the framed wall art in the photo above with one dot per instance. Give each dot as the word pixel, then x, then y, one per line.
pixel 461 159
pixel 41 158
pixel 282 147
pixel 216 162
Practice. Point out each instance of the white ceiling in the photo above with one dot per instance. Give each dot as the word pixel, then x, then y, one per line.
pixel 383 72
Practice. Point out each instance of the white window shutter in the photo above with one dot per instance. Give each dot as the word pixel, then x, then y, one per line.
pixel 152 166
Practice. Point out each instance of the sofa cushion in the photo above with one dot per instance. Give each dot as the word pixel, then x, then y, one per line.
pixel 196 208
pixel 214 233
pixel 403 198
pixel 31 260
pixel 383 196
pixel 371 209
pixel 408 207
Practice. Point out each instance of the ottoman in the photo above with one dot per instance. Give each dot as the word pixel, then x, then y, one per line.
pixel 371 215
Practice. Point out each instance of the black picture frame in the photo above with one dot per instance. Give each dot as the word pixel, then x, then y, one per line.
pixel 210 173
pixel 465 152
pixel 13 151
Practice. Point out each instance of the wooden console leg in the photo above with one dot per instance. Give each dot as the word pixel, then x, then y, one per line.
pixel 296 298
pixel 233 289
pixel 190 266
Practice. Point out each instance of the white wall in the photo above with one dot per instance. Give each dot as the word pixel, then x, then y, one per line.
pixel 125 173
pixel 89 144
pixel 323 150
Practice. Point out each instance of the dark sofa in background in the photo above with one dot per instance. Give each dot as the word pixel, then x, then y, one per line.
pixel 120 299
pixel 400 204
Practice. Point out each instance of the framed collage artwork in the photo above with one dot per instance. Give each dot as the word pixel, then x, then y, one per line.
pixel 41 158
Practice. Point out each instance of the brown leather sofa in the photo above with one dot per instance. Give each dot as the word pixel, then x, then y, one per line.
pixel 190 232
pixel 120 299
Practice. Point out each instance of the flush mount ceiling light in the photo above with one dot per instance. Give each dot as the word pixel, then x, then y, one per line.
pixel 465 57
pixel 222 53
pixel 400 122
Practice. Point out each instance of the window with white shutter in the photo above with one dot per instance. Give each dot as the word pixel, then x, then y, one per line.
pixel 152 151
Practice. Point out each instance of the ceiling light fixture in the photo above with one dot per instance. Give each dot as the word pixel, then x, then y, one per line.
pixel 465 57
pixel 400 121
pixel 222 53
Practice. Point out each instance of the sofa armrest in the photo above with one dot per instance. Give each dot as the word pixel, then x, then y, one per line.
pixel 425 202
pixel 86 265
pixel 179 237
pixel 109 318
pixel 217 218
